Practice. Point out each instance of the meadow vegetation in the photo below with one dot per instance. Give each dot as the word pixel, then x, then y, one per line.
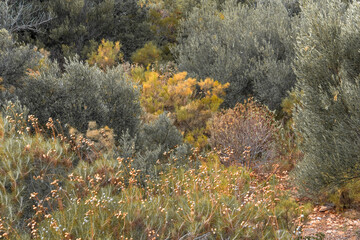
pixel 49 187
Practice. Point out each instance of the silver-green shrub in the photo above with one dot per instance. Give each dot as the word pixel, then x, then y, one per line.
pixel 156 144
pixel 249 46
pixel 327 119
pixel 81 93
pixel 15 59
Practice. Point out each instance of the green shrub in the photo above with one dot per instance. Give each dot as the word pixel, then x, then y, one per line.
pixel 15 60
pixel 77 24
pixel 81 94
pixel 147 55
pixel 249 47
pixel 165 16
pixel 327 117
pixel 157 142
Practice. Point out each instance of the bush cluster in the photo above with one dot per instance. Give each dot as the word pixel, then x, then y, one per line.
pixel 249 47
pixel 190 102
pixel 107 55
pixel 15 60
pixel 81 93
pixel 77 27
pixel 156 142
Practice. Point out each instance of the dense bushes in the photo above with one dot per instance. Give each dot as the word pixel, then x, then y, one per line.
pixel 22 16
pixel 327 117
pixel 249 47
pixel 165 17
pixel 137 175
pixel 81 94
pixel 156 145
pixel 78 26
pixel 108 54
pixel 147 55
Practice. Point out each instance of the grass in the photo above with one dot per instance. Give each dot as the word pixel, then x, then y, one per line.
pixel 56 194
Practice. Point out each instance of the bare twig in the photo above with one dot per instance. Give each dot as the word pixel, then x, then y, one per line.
pixel 19 16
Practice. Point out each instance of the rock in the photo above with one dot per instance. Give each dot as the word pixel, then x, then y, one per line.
pixel 327 207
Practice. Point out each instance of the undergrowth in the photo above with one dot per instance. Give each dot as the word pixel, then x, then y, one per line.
pixel 109 199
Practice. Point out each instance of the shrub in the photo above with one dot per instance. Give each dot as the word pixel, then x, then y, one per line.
pixel 245 134
pixel 157 142
pixel 81 94
pixel 327 118
pixel 77 24
pixel 249 47
pixel 108 54
pixel 190 102
pixel 22 16
pixel 147 55
pixel 15 59
pixel 165 17
pixel 160 132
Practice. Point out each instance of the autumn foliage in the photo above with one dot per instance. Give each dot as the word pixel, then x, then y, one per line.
pixel 190 102
pixel 108 54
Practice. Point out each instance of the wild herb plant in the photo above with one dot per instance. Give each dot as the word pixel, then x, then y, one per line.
pixel 48 192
